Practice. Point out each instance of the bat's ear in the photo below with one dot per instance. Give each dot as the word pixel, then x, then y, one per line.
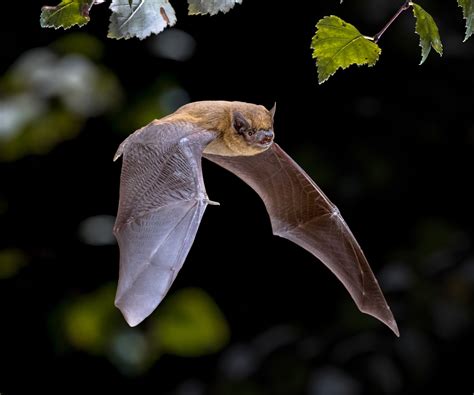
pixel 239 122
pixel 273 110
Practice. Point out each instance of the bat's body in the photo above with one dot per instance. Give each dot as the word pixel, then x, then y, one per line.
pixel 162 200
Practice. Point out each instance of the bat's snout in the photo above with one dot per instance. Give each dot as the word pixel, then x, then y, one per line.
pixel 265 137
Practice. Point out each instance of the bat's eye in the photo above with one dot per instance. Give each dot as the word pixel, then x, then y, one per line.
pixel 251 132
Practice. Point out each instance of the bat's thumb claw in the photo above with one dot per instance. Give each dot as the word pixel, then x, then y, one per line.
pixel 212 203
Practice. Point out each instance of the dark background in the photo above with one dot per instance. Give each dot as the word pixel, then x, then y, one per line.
pixel 391 145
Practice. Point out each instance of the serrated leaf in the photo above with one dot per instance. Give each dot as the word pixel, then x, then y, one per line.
pixel 66 14
pixel 338 44
pixel 140 19
pixel 468 13
pixel 428 31
pixel 211 7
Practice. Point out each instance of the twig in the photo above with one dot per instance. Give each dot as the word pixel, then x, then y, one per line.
pixel 403 8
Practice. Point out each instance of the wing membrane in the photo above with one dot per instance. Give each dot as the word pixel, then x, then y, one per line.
pixel 162 200
pixel 299 211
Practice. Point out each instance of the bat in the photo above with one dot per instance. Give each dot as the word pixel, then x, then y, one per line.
pixel 163 198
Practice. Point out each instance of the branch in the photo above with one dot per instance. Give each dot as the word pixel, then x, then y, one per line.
pixel 403 8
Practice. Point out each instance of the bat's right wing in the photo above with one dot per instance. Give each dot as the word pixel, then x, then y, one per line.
pixel 299 211
pixel 162 200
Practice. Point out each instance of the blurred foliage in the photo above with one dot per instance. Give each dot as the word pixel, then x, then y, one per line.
pixel 90 320
pixel 157 100
pixel 79 43
pixel 97 230
pixel 188 323
pixel 174 44
pixel 11 261
pixel 48 94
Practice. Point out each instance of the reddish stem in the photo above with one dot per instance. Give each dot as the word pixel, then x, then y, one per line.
pixel 403 8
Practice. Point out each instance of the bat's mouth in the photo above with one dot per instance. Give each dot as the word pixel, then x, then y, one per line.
pixel 264 138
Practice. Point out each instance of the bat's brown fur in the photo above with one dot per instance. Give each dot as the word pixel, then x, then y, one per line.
pixel 217 116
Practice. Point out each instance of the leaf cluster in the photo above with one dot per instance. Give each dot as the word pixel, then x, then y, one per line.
pixel 129 18
pixel 338 44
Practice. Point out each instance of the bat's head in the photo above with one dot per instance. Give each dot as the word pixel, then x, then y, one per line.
pixel 251 129
pixel 245 129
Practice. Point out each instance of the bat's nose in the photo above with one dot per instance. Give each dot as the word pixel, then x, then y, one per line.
pixel 266 136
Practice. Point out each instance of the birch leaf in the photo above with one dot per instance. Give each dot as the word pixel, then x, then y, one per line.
pixel 428 31
pixel 338 44
pixel 140 19
pixel 66 14
pixel 468 13
pixel 211 7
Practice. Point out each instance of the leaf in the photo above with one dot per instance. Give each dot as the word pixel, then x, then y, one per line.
pixel 468 13
pixel 211 7
pixel 66 14
pixel 189 323
pixel 140 18
pixel 428 31
pixel 338 44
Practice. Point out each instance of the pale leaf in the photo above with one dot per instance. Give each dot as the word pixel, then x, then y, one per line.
pixel 428 31
pixel 211 7
pixel 142 18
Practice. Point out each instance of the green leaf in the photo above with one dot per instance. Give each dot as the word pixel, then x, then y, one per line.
pixel 189 323
pixel 468 13
pixel 338 44
pixel 211 7
pixel 140 18
pixel 66 14
pixel 428 31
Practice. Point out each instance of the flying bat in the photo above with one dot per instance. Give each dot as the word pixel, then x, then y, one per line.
pixel 163 198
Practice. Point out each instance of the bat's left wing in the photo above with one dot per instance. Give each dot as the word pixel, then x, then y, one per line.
pixel 299 211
